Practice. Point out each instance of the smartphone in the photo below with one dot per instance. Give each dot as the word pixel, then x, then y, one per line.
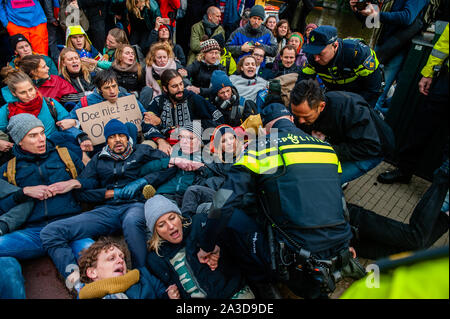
pixel 165 21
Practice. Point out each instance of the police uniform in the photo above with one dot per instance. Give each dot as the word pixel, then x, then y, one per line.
pixel 354 68
pixel 297 178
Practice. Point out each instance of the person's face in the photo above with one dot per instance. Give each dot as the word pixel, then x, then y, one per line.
pixel 72 62
pixel 111 42
pixel 78 41
pixel 288 58
pixel 255 22
pixel 215 17
pixel 189 142
pixel 25 91
pixel 175 89
pixel 42 70
pixel 117 143
pixel 306 115
pixel 228 143
pixel 140 4
pixel 128 56
pixel 164 34
pixel 249 67
pixel 110 263
pixel 34 141
pixel 225 93
pixel 308 31
pixel 282 30
pixel 258 54
pixel 271 23
pixel 170 228
pixel 327 54
pixel 23 48
pixel 211 57
pixel 161 58
pixel 110 91
pixel 295 42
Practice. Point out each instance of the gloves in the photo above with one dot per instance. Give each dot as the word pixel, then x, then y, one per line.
pixel 130 190
pixel 118 193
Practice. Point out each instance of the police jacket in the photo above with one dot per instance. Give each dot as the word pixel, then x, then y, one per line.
pixel 347 123
pixel 301 174
pixel 354 68
pixel 221 283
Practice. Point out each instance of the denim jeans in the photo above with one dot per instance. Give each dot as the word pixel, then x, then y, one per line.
pixel 101 221
pixel 11 279
pixel 391 70
pixel 353 170
pixel 26 244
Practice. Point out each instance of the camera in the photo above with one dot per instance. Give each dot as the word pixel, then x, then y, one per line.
pixel 362 4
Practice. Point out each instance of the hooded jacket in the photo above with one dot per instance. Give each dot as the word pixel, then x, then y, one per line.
pixel 26 14
pixel 75 30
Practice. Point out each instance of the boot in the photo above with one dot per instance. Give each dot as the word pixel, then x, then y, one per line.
pixel 394 176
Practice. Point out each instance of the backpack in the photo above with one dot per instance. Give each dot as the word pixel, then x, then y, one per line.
pixel 63 153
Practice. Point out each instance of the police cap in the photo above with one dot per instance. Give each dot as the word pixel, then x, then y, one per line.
pixel 273 111
pixel 319 38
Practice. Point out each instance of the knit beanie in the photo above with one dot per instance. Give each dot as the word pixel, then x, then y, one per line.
pixel 258 11
pixel 193 128
pixel 115 127
pixel 219 80
pixel 300 37
pixel 19 125
pixel 14 39
pixel 209 45
pixel 156 207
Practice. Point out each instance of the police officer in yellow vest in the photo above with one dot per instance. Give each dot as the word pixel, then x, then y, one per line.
pixel 342 64
pixel 299 210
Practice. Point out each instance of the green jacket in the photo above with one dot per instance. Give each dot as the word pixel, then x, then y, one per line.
pixel 197 33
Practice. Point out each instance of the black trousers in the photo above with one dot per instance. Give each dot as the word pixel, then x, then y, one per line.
pixel 380 236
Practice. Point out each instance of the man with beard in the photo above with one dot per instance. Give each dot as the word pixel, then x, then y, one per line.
pixel 115 185
pixel 177 107
pixel 253 34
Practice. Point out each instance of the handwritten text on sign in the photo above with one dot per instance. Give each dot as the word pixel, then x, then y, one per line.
pixel 93 118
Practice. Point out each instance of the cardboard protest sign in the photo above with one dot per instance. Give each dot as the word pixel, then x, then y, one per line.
pixel 93 118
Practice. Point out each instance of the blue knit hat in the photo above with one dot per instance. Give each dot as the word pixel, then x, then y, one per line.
pixel 219 80
pixel 115 127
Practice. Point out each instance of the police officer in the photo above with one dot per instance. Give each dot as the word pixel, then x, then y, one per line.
pixel 295 179
pixel 342 64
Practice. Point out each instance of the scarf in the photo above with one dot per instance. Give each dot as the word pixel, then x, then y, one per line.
pixel 131 69
pixel 119 157
pixel 151 81
pixel 209 26
pixel 115 285
pixel 33 107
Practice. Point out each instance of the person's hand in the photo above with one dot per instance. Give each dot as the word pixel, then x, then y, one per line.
pixel 40 192
pixel 66 124
pixel 183 72
pixel 211 258
pixel 352 251
pixel 74 3
pixel 164 146
pixel 151 118
pixel 319 135
pixel 5 146
pixel 172 292
pixel 87 146
pixel 193 89
pixel 246 47
pixel 89 61
pixel 424 85
pixel 130 190
pixel 158 23
pixel 369 11
pixel 63 187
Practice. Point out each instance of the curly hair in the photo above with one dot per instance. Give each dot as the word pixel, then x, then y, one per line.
pixel 150 59
pixel 89 256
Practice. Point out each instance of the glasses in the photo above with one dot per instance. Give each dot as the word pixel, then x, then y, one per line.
pixel 258 55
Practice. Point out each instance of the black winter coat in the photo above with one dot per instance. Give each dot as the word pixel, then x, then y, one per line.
pixel 200 74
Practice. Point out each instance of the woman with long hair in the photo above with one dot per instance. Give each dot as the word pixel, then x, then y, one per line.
pixel 75 72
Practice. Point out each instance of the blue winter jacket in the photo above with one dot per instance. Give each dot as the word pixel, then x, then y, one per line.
pixel 45 169
pixel 24 13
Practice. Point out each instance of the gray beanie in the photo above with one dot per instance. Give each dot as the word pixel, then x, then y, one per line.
pixel 157 206
pixel 258 11
pixel 19 125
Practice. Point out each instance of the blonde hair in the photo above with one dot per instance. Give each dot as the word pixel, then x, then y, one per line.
pixel 119 35
pixel 150 59
pixel 239 148
pixel 131 6
pixel 12 77
pixel 87 46
pixel 63 70
pixel 118 57
pixel 155 242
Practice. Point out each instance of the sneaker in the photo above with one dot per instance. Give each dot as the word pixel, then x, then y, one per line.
pixel 394 176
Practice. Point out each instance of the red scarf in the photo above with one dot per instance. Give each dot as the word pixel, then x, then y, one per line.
pixel 32 107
